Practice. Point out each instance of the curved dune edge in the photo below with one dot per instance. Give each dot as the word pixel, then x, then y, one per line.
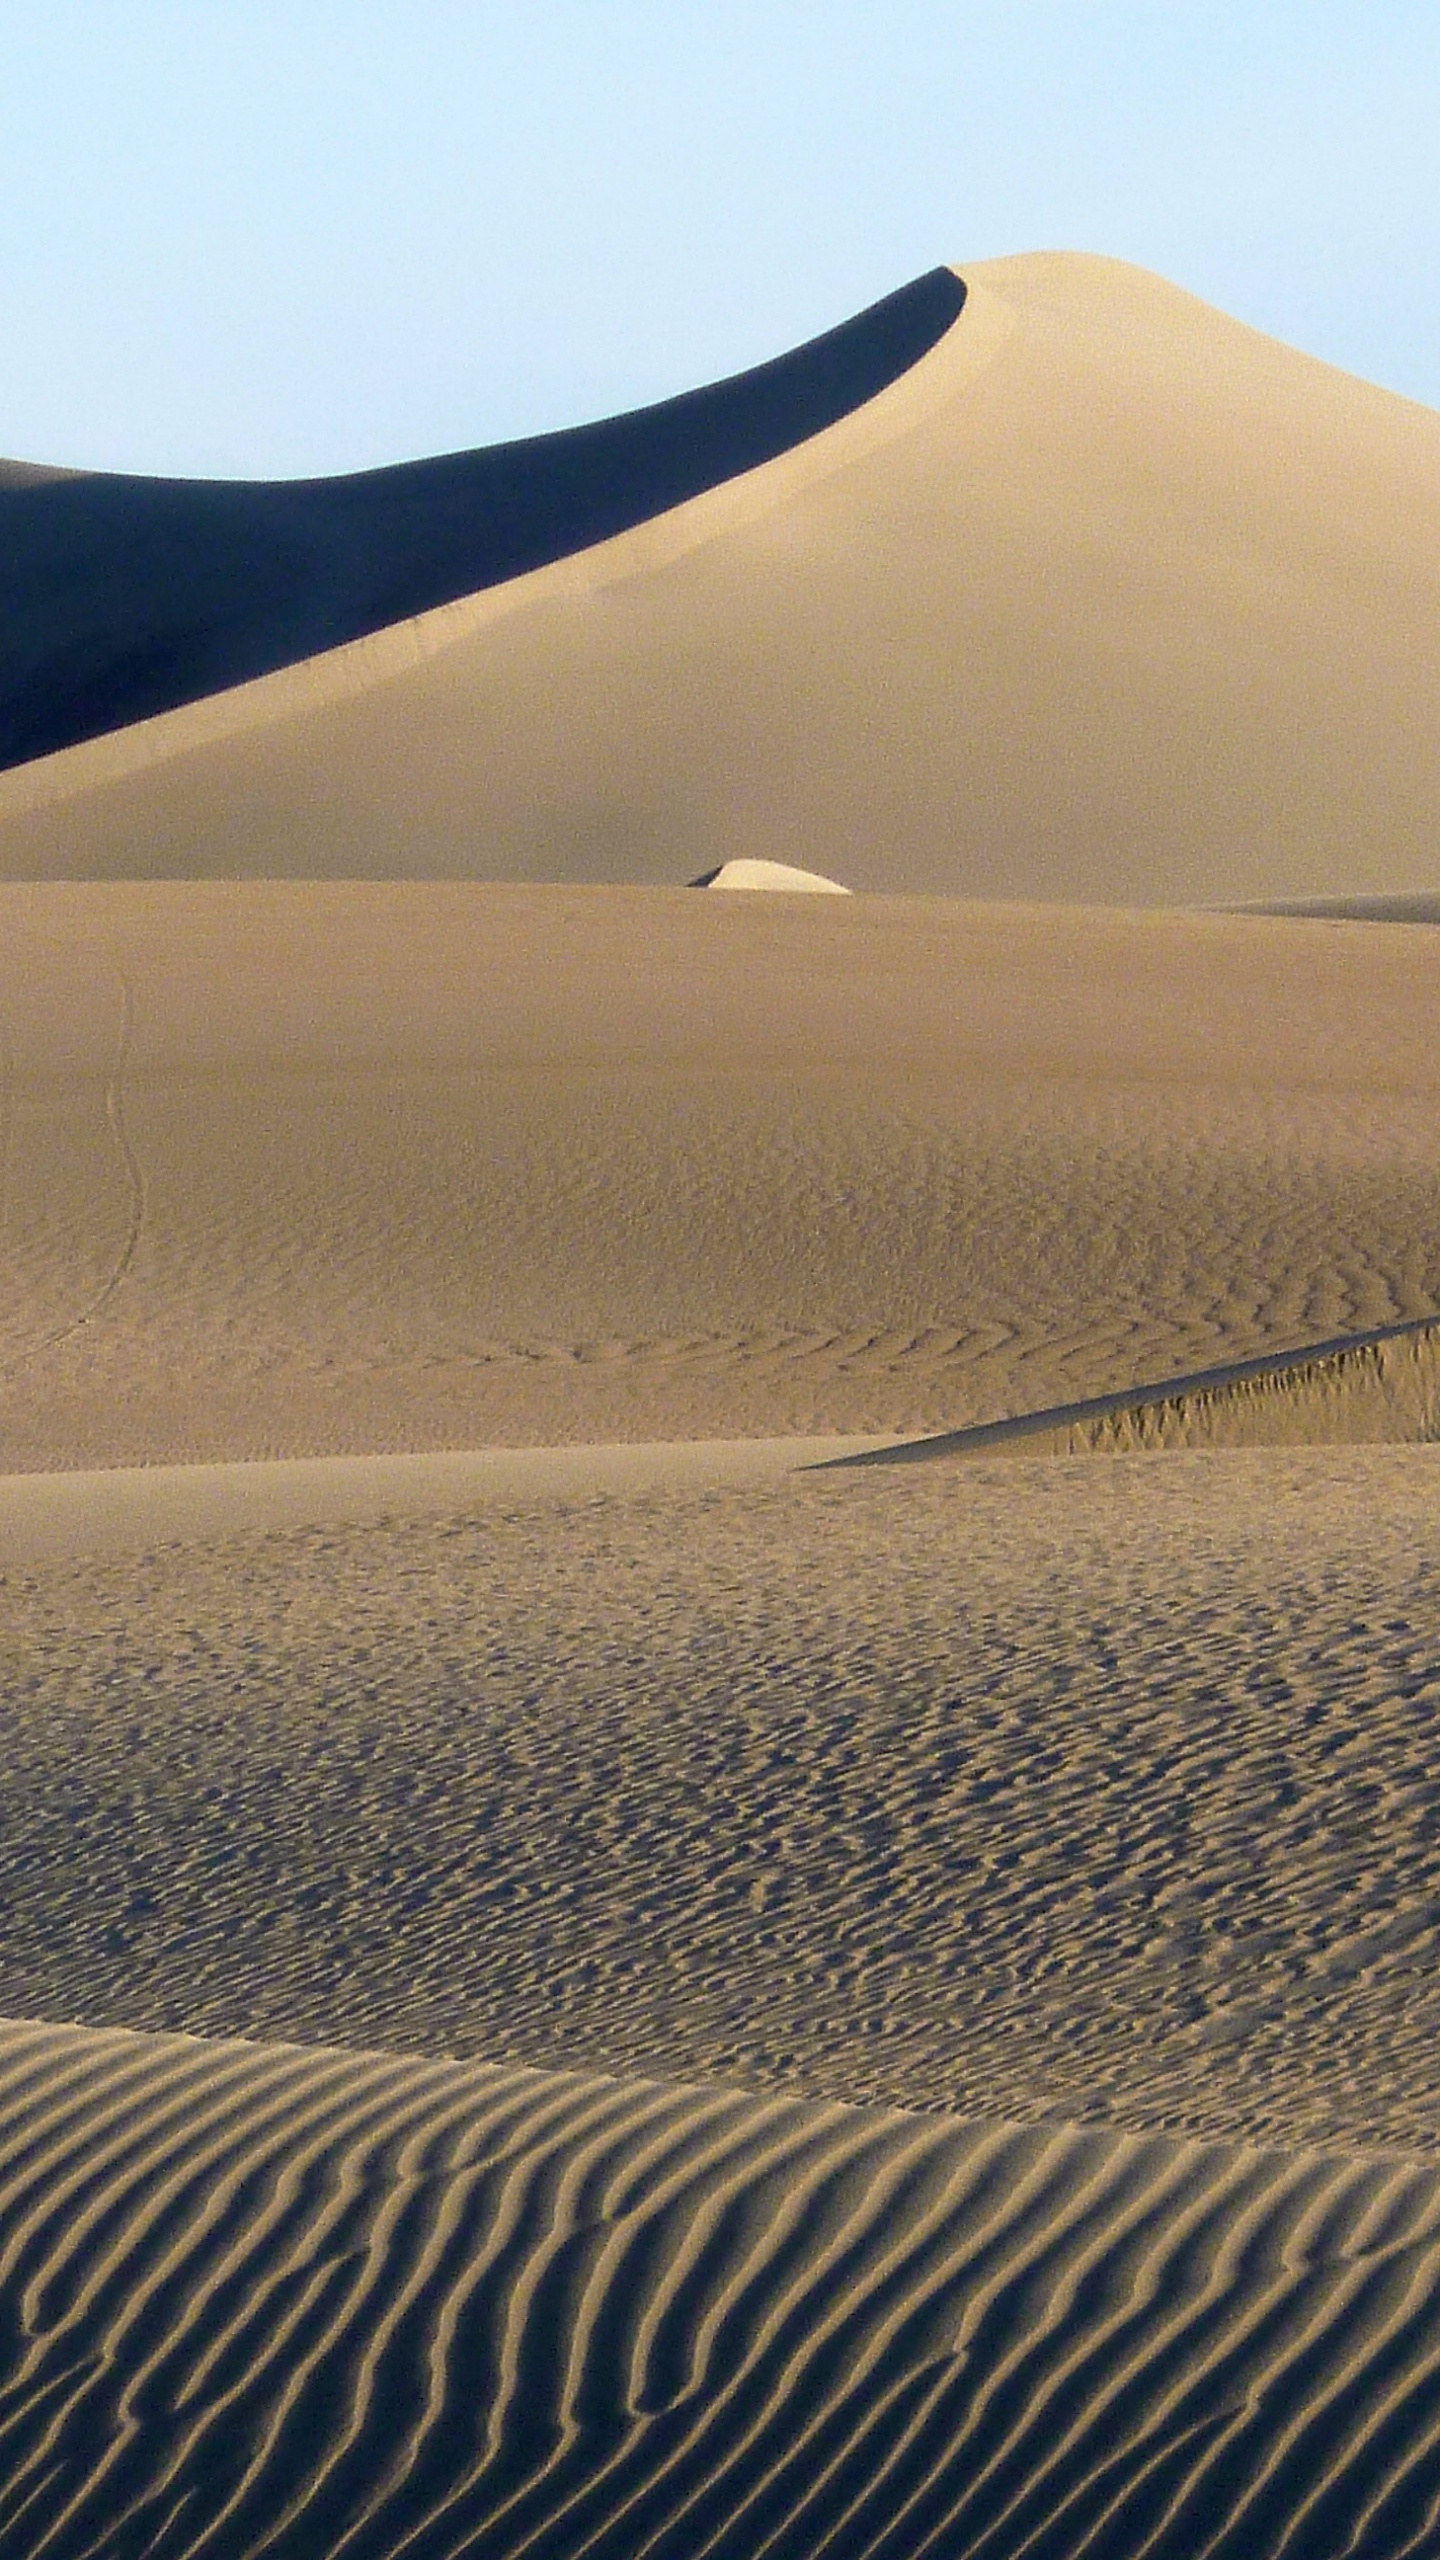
pixel 259 2298
pixel 1358 1389
pixel 1107 599
pixel 297 691
pixel 126 596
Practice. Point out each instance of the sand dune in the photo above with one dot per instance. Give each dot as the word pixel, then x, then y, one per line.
pixel 79 1512
pixel 768 875
pixel 1103 597
pixel 1044 1787
pixel 294 1171
pixel 374 2305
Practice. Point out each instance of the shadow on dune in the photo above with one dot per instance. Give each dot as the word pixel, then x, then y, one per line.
pixel 122 597
pixel 1420 907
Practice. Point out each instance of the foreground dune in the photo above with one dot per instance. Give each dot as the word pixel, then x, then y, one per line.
pixel 1004 1791
pixel 1100 597
pixel 315 1169
pixel 263 2299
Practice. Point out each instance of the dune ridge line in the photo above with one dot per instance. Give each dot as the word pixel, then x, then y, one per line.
pixel 107 1509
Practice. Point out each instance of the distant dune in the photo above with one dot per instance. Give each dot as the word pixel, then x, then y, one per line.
pixel 1095 596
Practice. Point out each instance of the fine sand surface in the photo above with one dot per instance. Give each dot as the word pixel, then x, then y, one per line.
pixel 1102 597
pixel 304 1171
pixel 831 1946
pixel 904 1816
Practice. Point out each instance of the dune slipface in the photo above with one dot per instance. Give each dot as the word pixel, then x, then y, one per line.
pixel 1077 591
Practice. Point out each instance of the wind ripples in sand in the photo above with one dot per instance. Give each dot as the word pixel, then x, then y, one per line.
pixel 258 2299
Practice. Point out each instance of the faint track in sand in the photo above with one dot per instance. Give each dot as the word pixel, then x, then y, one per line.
pixel 131 1171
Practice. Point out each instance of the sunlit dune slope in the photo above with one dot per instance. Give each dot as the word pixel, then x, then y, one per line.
pixel 257 2300
pixel 1105 597
pixel 298 1168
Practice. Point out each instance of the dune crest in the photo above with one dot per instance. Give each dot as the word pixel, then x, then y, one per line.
pixel 1382 1386
pixel 123 598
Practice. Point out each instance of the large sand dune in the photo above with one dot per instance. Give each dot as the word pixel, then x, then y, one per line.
pixel 124 597
pixel 1103 596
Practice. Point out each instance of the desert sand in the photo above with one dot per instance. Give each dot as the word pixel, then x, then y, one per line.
pixel 721 1613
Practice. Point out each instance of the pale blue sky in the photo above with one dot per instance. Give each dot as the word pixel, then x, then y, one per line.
pixel 280 236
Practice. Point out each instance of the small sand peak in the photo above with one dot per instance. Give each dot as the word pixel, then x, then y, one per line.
pixel 750 874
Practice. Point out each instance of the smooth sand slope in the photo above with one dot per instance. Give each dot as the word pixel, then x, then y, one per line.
pixel 320 2302
pixel 298 1170
pixel 1103 596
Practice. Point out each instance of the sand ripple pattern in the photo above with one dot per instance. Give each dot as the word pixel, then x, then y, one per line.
pixel 259 2299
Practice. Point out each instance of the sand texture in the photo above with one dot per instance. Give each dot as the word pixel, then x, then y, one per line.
pixel 1378 1386
pixel 1102 597
pixel 1060 1787
pixel 634 1989
pixel 314 2302
pixel 294 1171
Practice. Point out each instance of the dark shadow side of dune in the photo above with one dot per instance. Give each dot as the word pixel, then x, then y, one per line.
pixel 121 597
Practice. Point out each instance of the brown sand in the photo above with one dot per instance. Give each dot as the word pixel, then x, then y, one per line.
pixel 518 2312
pixel 297 1170
pixel 1041 1786
pixel 1106 597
